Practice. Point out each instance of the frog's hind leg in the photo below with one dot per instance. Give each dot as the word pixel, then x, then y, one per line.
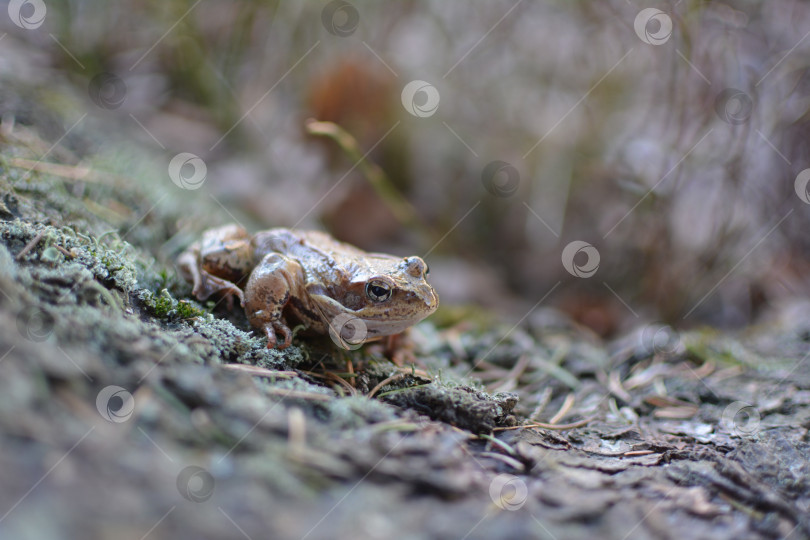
pixel 205 284
pixel 272 283
pixel 212 265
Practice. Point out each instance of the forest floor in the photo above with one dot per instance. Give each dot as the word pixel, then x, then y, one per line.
pixel 130 411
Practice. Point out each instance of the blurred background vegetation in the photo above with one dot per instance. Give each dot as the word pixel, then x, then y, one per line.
pixel 674 151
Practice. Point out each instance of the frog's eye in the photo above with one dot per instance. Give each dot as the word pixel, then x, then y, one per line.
pixel 378 290
pixel 416 267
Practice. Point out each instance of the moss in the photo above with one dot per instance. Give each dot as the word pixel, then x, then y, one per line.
pixel 164 306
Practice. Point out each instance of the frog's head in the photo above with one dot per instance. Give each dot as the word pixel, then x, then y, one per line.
pixel 383 296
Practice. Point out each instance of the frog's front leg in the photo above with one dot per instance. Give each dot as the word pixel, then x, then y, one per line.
pixel 272 283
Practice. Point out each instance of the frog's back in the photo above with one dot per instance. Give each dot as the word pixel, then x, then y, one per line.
pixel 320 243
pixel 308 247
pixel 318 252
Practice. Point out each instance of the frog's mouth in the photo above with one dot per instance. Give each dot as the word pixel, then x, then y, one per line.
pixel 355 326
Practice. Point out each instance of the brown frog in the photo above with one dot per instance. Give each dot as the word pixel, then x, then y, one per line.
pixel 310 278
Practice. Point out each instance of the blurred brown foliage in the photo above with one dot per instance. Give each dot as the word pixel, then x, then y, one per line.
pixel 673 151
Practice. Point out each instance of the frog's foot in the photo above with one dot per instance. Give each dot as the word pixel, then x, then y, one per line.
pixel 208 285
pixel 228 297
pixel 400 350
pixel 205 284
pixel 403 358
pixel 272 331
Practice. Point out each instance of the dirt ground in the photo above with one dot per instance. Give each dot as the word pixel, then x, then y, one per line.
pixel 130 411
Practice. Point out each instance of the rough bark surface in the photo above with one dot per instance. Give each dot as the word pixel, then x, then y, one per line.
pixel 122 414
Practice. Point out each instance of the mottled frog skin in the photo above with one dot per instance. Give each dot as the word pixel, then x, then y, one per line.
pixel 308 277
